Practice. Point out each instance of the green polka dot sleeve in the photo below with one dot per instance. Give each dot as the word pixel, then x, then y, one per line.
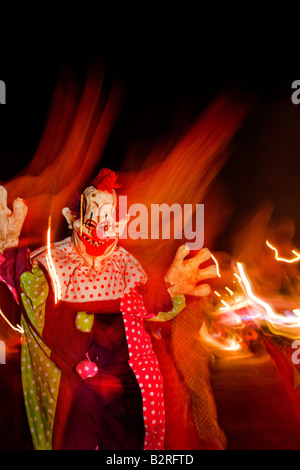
pixel 178 305
pixel 40 376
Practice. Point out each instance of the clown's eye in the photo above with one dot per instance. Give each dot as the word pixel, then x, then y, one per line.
pixel 90 224
pixel 93 195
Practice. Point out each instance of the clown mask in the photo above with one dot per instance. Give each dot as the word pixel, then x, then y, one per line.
pixel 96 232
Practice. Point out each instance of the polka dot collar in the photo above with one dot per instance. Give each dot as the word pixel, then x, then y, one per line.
pixel 79 283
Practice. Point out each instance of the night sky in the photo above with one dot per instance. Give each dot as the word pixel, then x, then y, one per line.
pixel 166 86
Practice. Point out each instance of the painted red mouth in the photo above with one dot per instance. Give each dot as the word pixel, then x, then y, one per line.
pixel 95 247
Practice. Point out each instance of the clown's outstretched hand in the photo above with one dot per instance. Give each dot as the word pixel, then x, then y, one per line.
pixel 185 277
pixel 11 222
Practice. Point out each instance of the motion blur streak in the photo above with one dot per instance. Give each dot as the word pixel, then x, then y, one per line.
pixel 217 265
pixel 283 259
pixel 218 345
pixel 280 324
pixel 54 277
pixel 78 126
pixel 243 317
pixel 181 168
pixel 16 328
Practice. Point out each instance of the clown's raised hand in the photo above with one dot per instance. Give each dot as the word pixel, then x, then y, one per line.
pixel 11 222
pixel 185 277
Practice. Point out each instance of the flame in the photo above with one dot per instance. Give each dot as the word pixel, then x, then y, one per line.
pixel 53 274
pixel 283 259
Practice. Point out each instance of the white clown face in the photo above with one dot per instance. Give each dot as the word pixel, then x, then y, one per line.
pixel 96 233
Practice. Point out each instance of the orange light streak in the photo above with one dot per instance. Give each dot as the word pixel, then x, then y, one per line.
pixel 278 324
pixel 16 328
pixel 284 259
pixel 217 265
pixel 224 303
pixel 56 284
pixel 229 290
pixel 217 343
pixel 81 202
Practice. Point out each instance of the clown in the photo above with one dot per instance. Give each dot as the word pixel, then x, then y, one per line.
pixel 90 377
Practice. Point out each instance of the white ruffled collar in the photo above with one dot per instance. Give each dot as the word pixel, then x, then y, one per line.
pixel 79 283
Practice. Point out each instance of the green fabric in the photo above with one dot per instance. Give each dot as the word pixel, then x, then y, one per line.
pixel 40 376
pixel 84 322
pixel 178 305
